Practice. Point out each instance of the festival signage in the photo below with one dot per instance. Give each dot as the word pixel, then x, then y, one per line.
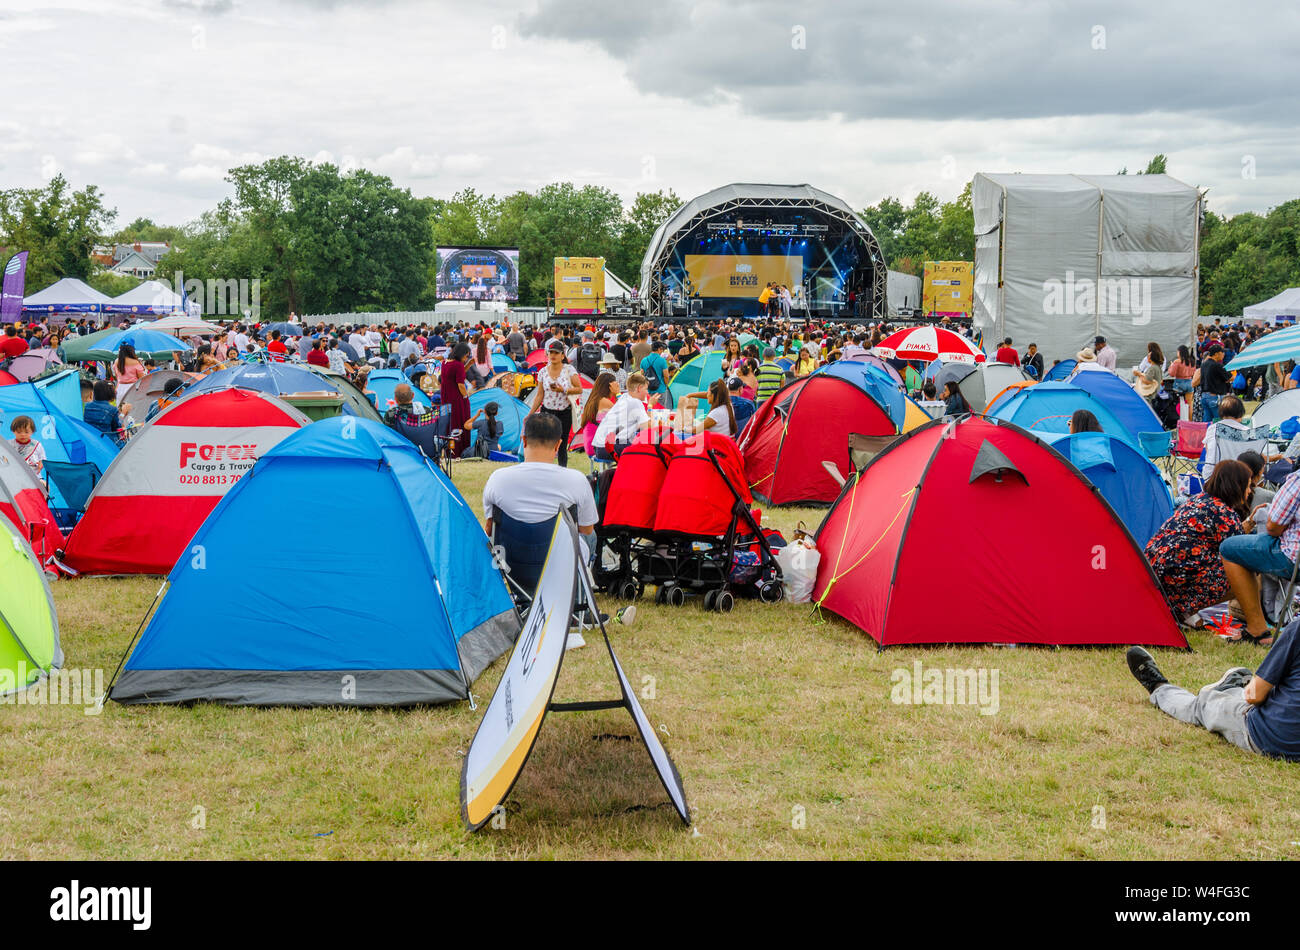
pixel 741 275
pixel 11 290
pixel 579 285
pixel 947 289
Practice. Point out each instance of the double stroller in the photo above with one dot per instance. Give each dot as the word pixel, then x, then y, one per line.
pixel 676 513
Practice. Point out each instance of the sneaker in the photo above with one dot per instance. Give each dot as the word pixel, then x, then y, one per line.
pixel 1236 677
pixel 1143 667
pixel 575 641
pixel 626 615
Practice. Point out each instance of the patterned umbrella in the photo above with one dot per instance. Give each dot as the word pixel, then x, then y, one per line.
pixel 929 343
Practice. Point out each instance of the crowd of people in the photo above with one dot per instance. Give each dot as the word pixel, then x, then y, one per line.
pixel 1235 539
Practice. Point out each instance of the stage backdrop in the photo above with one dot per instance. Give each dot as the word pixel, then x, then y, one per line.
pixel 741 275
pixel 580 285
pixel 947 288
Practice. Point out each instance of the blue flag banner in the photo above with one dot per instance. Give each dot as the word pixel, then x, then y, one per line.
pixel 11 290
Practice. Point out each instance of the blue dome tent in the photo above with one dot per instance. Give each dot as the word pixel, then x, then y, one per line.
pixel 1124 476
pixel 510 414
pixel 1060 371
pixel 415 624
pixel 1047 407
pixel 382 382
pixel 1133 412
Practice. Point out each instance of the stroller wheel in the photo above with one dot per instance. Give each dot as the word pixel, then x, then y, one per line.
pixel 724 602
pixel 676 595
pixel 772 593
pixel 710 598
pixel 628 590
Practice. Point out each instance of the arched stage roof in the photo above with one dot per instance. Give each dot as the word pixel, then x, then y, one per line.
pixel 737 199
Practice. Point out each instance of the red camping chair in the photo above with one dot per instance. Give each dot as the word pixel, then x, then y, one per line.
pixel 1185 454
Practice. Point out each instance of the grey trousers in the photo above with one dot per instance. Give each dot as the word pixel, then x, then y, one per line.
pixel 1222 711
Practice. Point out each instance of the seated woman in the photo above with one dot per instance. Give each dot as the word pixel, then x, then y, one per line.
pixel 805 363
pixel 1083 421
pixel 721 417
pixel 602 397
pixel 1184 553
pixel 748 376
pixel 954 403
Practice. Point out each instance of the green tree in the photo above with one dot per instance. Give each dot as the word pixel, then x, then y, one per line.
pixel 144 229
pixel 58 226
pixel 647 211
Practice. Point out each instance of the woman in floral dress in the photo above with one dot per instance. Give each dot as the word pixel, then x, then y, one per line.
pixel 1184 553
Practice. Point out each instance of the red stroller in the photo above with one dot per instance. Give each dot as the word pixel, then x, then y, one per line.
pixel 700 509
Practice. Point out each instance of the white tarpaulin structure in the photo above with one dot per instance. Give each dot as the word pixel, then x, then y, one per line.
pixel 1284 308
pixel 902 290
pixel 1060 259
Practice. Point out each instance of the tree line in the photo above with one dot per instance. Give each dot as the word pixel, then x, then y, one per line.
pixel 322 240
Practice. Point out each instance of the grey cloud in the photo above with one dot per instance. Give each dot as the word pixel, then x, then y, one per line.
pixel 946 60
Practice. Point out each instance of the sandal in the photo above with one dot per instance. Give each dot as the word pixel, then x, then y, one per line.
pixel 1256 639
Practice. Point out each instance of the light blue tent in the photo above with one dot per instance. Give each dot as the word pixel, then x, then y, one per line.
pixel 313 624
pixel 1133 412
pixel 1060 371
pixel 510 413
pixel 502 363
pixel 697 374
pixel 1124 476
pixel 54 404
pixel 382 382
pixel 1047 407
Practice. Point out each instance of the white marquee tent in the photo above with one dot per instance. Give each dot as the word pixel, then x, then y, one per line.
pixel 1060 259
pixel 1284 308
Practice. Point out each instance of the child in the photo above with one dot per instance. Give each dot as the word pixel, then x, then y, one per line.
pixel 489 430
pixel 24 446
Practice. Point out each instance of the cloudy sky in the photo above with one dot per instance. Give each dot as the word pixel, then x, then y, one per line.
pixel 153 100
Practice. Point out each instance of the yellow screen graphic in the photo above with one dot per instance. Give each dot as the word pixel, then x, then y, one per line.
pixel 947 288
pixel 579 285
pixel 740 275
pixel 482 271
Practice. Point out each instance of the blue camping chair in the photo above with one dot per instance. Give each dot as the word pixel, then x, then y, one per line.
pixel 433 440
pixel 1156 445
pixel 75 481
pixel 520 548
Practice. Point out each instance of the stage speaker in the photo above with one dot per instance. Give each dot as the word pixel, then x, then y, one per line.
pixel 821 313
pixel 697 307
pixel 679 310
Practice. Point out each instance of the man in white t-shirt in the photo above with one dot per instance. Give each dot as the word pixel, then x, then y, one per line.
pixel 536 489
pixel 357 340
pixel 625 418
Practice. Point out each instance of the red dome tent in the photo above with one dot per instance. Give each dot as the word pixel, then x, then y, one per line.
pixel 805 422
pixel 170 476
pixel 913 551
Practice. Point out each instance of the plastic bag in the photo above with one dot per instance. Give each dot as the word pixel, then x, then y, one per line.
pixel 798 561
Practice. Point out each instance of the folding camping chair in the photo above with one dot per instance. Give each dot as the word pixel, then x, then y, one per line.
pixel 75 481
pixel 520 549
pixel 434 440
pixel 862 449
pixel 1234 443
pixel 1185 453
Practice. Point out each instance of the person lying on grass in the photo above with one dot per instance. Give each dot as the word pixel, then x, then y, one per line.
pixel 1258 712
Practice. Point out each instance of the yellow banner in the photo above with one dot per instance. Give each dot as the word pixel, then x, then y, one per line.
pixel 948 288
pixel 741 275
pixel 580 285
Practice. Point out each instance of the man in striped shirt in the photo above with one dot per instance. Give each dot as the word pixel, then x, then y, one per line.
pixel 771 376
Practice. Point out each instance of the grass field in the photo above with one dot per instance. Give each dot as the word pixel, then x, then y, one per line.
pixel 781 725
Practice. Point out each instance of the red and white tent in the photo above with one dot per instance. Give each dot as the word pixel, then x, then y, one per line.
pixel 22 501
pixel 170 476
pixel 927 344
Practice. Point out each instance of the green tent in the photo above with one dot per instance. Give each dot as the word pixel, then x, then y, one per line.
pixel 77 349
pixel 696 374
pixel 29 627
pixel 746 339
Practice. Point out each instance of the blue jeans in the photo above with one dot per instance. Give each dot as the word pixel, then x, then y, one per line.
pixel 1261 553
pixel 1210 407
